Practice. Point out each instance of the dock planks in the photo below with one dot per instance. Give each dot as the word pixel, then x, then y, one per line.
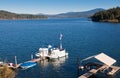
pixel 102 68
pixel 114 70
pixel 89 73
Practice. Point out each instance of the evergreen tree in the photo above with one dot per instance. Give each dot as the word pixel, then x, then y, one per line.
pixel 110 15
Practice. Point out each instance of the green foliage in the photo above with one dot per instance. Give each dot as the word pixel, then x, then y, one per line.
pixel 110 15
pixel 9 15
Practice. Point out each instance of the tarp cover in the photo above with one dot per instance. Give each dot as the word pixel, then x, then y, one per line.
pixel 105 59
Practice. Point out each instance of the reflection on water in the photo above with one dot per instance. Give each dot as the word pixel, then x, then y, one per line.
pixel 44 63
pixel 56 63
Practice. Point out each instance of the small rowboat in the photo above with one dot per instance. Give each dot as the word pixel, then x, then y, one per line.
pixel 27 64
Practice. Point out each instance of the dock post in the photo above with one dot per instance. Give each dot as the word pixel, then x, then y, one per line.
pixel 31 56
pixel 61 41
pixel 15 61
pixel 78 64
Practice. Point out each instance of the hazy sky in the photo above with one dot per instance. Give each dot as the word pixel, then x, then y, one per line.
pixel 55 6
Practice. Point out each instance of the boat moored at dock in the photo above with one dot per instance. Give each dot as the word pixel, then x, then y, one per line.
pixel 57 53
pixel 27 64
pixel 51 52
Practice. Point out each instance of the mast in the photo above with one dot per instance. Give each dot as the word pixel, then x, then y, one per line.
pixel 61 41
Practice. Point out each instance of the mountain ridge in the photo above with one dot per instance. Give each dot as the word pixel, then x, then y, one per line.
pixel 88 13
pixel 14 16
pixel 10 15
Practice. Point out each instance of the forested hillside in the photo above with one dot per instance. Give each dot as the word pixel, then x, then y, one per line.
pixel 9 15
pixel 110 15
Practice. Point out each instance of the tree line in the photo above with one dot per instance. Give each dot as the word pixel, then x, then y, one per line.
pixel 9 15
pixel 110 15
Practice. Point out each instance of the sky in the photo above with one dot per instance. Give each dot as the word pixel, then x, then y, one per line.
pixel 55 6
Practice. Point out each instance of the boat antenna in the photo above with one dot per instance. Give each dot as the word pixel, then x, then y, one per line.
pixel 61 41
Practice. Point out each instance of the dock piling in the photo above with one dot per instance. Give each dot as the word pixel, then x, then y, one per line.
pixel 15 61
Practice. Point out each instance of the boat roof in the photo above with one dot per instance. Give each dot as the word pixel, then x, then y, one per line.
pixel 105 59
pixel 43 48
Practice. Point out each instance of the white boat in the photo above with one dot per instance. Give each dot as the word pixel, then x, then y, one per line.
pixel 57 53
pixel 42 52
pixel 52 52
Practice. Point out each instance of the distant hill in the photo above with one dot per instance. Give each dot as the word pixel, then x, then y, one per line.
pixel 13 16
pixel 77 14
pixel 110 15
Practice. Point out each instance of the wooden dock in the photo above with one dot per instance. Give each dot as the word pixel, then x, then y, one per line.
pixel 36 60
pixel 102 68
pixel 88 74
pixel 114 70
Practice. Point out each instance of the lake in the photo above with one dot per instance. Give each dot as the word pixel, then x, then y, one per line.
pixel 81 38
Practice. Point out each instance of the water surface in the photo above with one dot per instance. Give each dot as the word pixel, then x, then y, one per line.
pixel 81 38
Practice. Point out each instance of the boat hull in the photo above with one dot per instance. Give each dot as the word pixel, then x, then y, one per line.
pixel 27 65
pixel 57 56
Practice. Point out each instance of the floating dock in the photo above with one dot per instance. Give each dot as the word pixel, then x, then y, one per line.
pixel 114 69
pixel 108 65
pixel 36 60
pixel 93 71
pixel 33 60
pixel 88 74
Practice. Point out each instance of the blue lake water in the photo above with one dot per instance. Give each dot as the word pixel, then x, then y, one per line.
pixel 81 38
